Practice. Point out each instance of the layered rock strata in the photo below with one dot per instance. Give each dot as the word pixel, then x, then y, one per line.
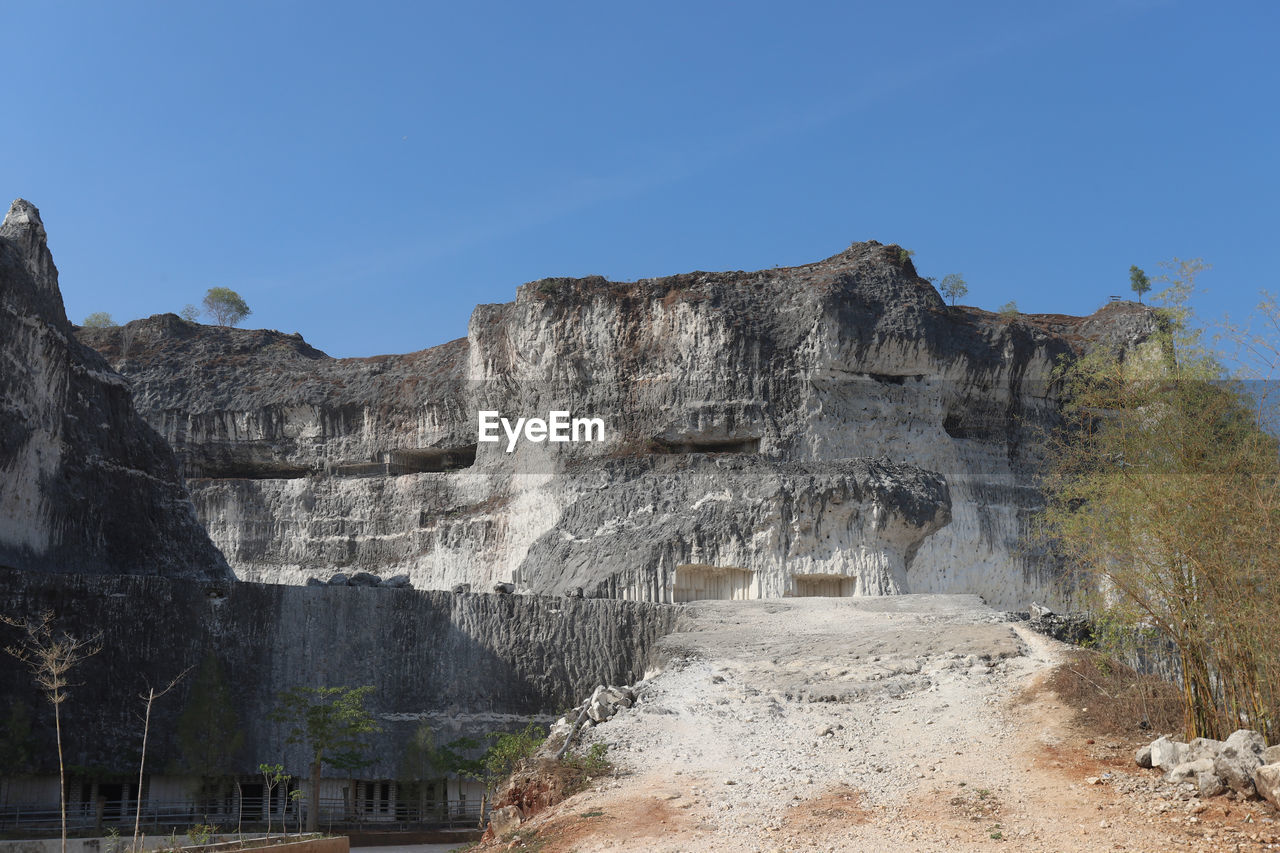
pixel 828 429
pixel 463 664
pixel 85 484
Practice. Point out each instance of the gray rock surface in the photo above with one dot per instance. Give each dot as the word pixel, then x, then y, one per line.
pixel 1190 770
pixel 505 820
pixel 1240 755
pixel 86 485
pixel 1210 784
pixel 849 376
pixel 1167 754
pixel 1266 780
pixel 1203 747
pixel 464 664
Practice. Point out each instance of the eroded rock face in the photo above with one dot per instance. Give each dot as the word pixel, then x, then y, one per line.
pixel 833 428
pixel 464 664
pixel 86 485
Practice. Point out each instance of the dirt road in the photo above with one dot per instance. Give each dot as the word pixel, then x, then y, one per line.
pixel 879 724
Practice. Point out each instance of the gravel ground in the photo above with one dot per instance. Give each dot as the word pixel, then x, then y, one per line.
pixel 897 723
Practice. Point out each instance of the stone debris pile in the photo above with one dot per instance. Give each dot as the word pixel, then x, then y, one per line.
pixel 603 703
pixel 1243 765
pixel 362 579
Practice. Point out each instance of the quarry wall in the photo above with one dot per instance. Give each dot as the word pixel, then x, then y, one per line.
pixel 465 664
pixel 786 423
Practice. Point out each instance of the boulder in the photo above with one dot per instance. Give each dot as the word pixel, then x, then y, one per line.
pixel 503 821
pixel 315 582
pixel 1203 747
pixel 365 579
pixel 1240 755
pixel 1210 785
pixel 397 581
pixel 462 589
pixel 573 592
pixel 599 711
pixel 1143 755
pixel 1167 754
pixel 1271 755
pixel 1189 770
pixel 340 579
pixel 1246 740
pixel 504 588
pixel 1266 780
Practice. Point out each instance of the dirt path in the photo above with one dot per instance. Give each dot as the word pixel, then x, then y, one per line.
pixel 901 723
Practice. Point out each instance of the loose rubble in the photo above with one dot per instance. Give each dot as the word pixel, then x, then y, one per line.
pixel 603 703
pixel 1242 765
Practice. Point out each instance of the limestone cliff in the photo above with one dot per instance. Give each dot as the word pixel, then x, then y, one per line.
pixel 833 428
pixel 85 484
pixel 464 664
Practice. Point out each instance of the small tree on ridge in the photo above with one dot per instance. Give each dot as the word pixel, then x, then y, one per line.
pixel 1138 281
pixel 225 306
pixel 953 287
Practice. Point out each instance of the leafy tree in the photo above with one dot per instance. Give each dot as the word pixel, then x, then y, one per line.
pixel 332 723
pixel 1164 491
pixel 506 751
pixel 225 306
pixel 209 733
pixel 1009 310
pixel 1139 282
pixel 98 320
pixel 50 655
pixel 190 313
pixel 953 287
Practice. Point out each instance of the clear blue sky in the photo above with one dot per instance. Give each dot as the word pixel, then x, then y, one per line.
pixel 366 173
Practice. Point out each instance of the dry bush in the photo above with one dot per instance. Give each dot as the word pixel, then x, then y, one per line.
pixel 1112 699
pixel 1165 494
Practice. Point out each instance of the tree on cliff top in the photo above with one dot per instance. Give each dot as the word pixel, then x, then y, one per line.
pixel 1138 281
pixel 953 287
pixel 332 723
pixel 225 306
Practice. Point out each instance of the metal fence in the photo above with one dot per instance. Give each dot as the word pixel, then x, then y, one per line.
pixel 249 815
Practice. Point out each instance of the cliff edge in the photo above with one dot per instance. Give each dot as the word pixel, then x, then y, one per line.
pixel 86 486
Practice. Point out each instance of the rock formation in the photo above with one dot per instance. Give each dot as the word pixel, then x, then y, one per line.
pixel 828 429
pixel 85 484
pixel 464 664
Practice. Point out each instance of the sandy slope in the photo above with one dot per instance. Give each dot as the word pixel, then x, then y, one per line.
pixel 897 723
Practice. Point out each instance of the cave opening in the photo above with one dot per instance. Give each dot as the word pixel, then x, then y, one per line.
pixel 413 460
pixel 705 445
pixel 823 586
pixel 430 460
pixel 244 469
pixel 700 582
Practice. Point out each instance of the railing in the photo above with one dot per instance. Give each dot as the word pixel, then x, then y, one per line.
pixel 177 816
pixel 455 814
